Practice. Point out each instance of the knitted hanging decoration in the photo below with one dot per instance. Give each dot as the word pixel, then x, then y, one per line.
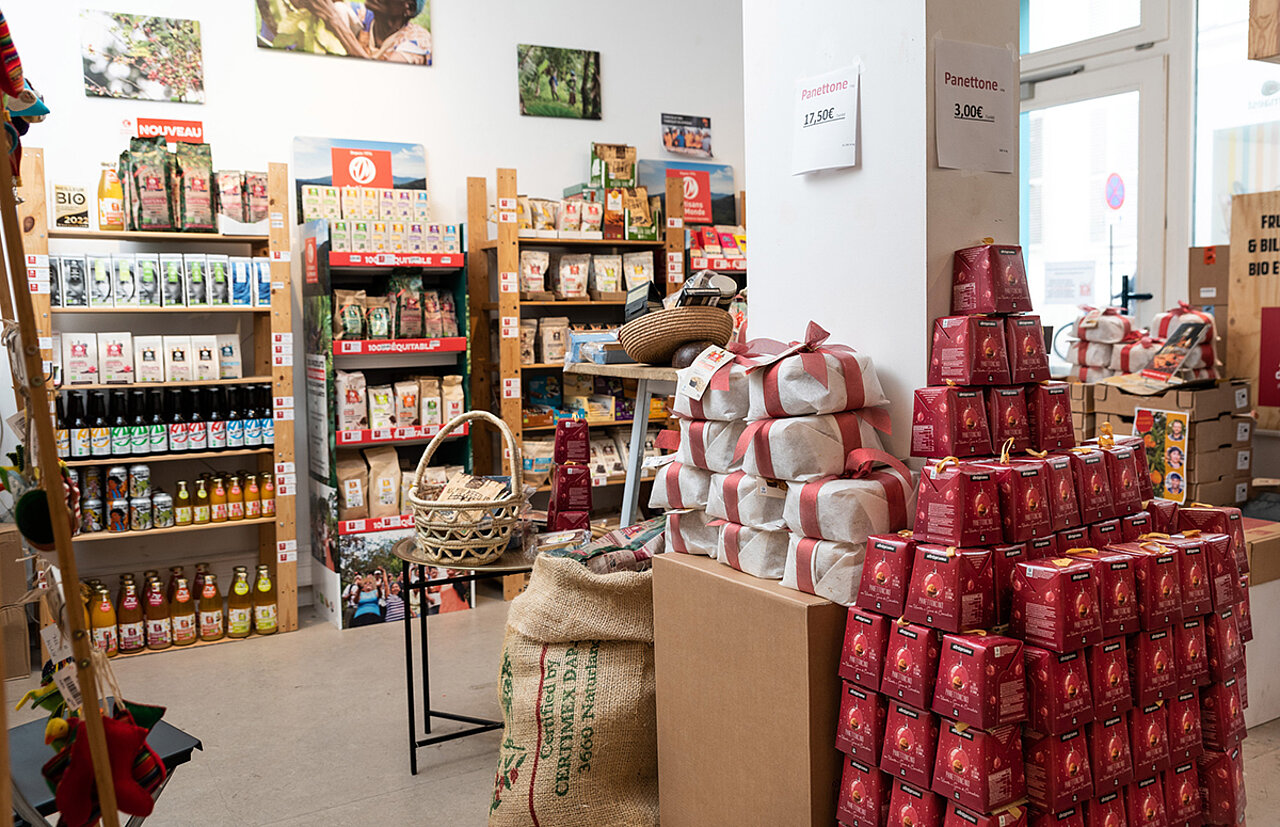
pixel 10 64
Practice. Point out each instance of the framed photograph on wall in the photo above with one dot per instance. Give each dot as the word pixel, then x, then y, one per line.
pixel 558 83
pixel 140 57
pixel 395 31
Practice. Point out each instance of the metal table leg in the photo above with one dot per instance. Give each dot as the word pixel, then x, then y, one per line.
pixel 639 427
pixel 408 668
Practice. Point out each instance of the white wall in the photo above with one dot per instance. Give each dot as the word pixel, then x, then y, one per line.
pixel 664 56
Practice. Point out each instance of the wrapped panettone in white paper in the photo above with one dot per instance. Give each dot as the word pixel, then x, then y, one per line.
pixel 825 568
pixel 709 444
pixel 761 552
pixel 806 448
pixel 677 485
pixel 747 500
pixel 848 510
pixel 813 377
pixel 1107 325
pixel 689 531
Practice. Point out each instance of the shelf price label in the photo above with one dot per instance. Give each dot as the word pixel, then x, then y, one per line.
pixel 287 551
pixel 284 414
pixel 511 388
pixel 506 203
pixel 281 255
pixel 675 223
pixel 286 482
pixel 507 217
pixel 508 283
pixel 286 468
pixel 510 327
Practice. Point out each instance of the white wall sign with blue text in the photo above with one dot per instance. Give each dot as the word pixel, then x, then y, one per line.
pixel 976 113
pixel 825 132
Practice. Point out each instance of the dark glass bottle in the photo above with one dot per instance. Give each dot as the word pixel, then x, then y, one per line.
pixel 266 415
pixel 217 426
pixel 121 438
pixel 157 427
pixel 235 420
pixel 99 427
pixel 81 434
pixel 197 427
pixel 62 433
pixel 177 424
pixel 252 425
pixel 139 434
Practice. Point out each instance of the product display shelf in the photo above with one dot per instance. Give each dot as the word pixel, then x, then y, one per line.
pixel 608 423
pixel 603 482
pixel 277 544
pixel 334 543
pixel 188 456
pixel 528 241
pixel 146 386
pixel 198 644
pixel 178 529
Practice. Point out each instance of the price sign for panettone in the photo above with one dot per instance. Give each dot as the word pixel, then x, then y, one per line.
pixel 825 123
pixel 976 106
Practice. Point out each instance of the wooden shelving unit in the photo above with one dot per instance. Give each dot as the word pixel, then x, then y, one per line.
pixel 151 459
pixel 146 386
pixel 178 529
pixel 277 536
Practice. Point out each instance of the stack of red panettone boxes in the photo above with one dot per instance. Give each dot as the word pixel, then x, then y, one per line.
pixel 1043 649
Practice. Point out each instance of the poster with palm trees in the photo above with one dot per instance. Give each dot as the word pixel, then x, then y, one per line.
pixel 558 83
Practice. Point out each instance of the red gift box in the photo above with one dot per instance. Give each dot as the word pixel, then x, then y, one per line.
pixel 1064 506
pixel 1117 589
pixel 979 769
pixel 968 350
pixel 1193 571
pixel 1070 817
pixel 1109 677
pixel 951 589
pixel 1153 666
pixel 1093 484
pixel 1109 754
pixel 1070 538
pixel 958 504
pixel 886 573
pixel 1003 559
pixel 949 422
pixel 1224 574
pixel 1185 739
pixel 1146 802
pixel 1024 342
pixel 1226 649
pixel 1164 516
pixel 1058 696
pixel 1055 604
pixel 1007 418
pixel 1219 520
pixel 1191 653
pixel 911 664
pixel 1146 489
pixel 1049 414
pixel 1108 810
pixel 910 806
pixel 1244 615
pixel 1159 583
pixel 1057 769
pixel 990 278
pixel 1039 548
pixel 1024 498
pixel 864 795
pixel 957 816
pixel 866 636
pixel 572 442
pixel 1222 786
pixel 1149 739
pixel 570 488
pixel 910 743
pixel 567 520
pixel 1123 471
pixel 1133 526
pixel 1182 804
pixel 1105 533
pixel 981 681
pixel 860 728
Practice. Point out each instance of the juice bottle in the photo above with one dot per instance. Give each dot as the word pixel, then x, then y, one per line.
pixel 239 605
pixel 159 631
pixel 184 614
pixel 264 603
pixel 252 497
pixel 211 609
pixel 102 622
pixel 197 582
pixel 235 499
pixel 176 573
pixel 218 501
pixel 133 636
pixel 110 200
pixel 200 511
pixel 182 505
pixel 125 579
pixel 268 496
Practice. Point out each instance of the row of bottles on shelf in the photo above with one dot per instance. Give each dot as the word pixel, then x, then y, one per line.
pixel 151 616
pixel 141 423
pixel 130 503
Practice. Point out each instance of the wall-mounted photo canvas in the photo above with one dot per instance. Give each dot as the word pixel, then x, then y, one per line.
pixel 559 83
pixel 139 57
pixel 397 31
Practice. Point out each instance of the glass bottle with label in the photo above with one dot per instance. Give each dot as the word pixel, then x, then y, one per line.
pixel 252 504
pixel 235 421
pixel 252 425
pixel 235 499
pixel 62 434
pixel 130 617
pixel 197 428
pixel 176 573
pixel 99 427
pixel 139 434
pixel 159 630
pixel 102 622
pixel 177 423
pixel 266 415
pixel 121 435
pixel 110 200
pixel 81 433
pixel 268 495
pixel 239 605
pixel 197 580
pixel 157 427
pixel 217 426
pixel 185 631
pixel 200 510
pixel 182 505
pixel 265 610
pixel 218 501
pixel 211 627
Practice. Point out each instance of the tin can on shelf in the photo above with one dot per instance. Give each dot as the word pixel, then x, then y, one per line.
pixel 140 514
pixel 161 510
pixel 74 477
pixel 117 482
pixel 118 515
pixel 140 480
pixel 90 515
pixel 91 486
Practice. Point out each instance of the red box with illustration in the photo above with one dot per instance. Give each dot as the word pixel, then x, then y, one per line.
pixel 1003 559
pixel 957 816
pixel 1152 666
pixel 1191 653
pixel 1068 817
pixel 1093 484
pixel 1193 569
pixel 981 681
pixel 990 278
pixel 866 635
pixel 1224 573
pixel 1244 614
pixel 958 505
pixel 1133 526
pixel 1123 471
pixel 1049 414
pixel 1057 769
pixel 1225 646
pixel 1105 533
pixel 1064 506
pixel 1039 548
pixel 950 422
pixel 978 768
pixel 1185 739
pixel 910 743
pixel 1221 715
pixel 1146 802
pixel 910 804
pixel 886 573
pixel 1217 520
pixel 864 795
pixel 1073 538
pixel 1058 696
pixel 951 589
pixel 1149 739
pixel 968 350
pixel 1108 810
pixel 1007 418
pixel 1109 754
pixel 911 664
pixel 1117 590
pixel 1024 498
pixel 860 728
pixel 1159 583
pixel 1182 804
pixel 1109 677
pixel 1164 515
pixel 1024 342
pixel 1055 604
pixel 1222 786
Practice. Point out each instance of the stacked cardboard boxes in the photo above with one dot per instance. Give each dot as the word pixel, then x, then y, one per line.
pixel 1084 419
pixel 1208 273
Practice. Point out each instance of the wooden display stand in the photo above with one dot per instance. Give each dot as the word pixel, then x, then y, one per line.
pixel 272 333
pixel 1264 30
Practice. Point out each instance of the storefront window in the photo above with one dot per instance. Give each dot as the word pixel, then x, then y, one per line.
pixel 1052 23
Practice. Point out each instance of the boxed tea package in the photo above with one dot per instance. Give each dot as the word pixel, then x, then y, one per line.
pixel 230 365
pixel 353 485
pixel 148 358
pixel 951 589
pixel 115 354
pixel 1057 769
pixel 989 278
pixel 1108 663
pixel 1049 413
pixel 958 505
pixel 860 727
pixel 866 637
pixel 262 270
pixel 196 266
pixel 886 573
pixel 173 280
pixel 124 282
pixel 910 744
pixel 864 794
pixel 981 681
pixel 1109 753
pixel 1058 694
pixel 179 362
pixel 1148 739
pixel 979 768
pixel 204 351
pixel 75 281
pixel 911 664
pixel 1152 666
pixel 1024 342
pixel 1191 654
pixel 1055 604
pixel 1007 417
pixel 100 289
pixel 949 422
pixel 969 350
pixel 242 279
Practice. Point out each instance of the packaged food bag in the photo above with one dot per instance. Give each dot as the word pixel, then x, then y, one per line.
pixel 813 377
pixel 1089 354
pixel 746 499
pixel 1167 323
pixel 689 531
pixel 989 278
pixel 1133 357
pixel 348 314
pixel 848 510
pixel 637 268
pixel 677 485
pixel 805 448
pixel 760 552
pixel 533 270
pixel 352 404
pixel 710 445
pixel 1108 325
pixel 384 481
pixel 606 273
pixel 824 568
pixel 353 486
pixel 571 282
pixel 432 317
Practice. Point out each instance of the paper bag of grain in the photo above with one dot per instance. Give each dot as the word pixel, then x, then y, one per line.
pixel 453 402
pixel 429 410
pixel 353 486
pixel 384 481
pixel 406 403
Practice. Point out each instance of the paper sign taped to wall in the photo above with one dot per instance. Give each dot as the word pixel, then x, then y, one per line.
pixel 825 123
pixel 976 106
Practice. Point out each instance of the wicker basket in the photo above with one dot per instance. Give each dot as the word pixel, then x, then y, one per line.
pixel 654 338
pixel 466 533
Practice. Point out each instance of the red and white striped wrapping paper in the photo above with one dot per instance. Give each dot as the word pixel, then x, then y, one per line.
pixel 690 531
pixel 1165 324
pixel 761 552
pixel 677 485
pixel 1113 326
pixel 825 380
pixel 805 448
pixel 1133 357
pixel 849 510
pixel 1092 354
pixel 825 568
pixel 747 500
pixel 709 444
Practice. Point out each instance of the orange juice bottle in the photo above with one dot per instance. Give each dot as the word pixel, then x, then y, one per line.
pixel 110 200
pixel 184 615
pixel 265 611
pixel 211 627
pixel 218 501
pixel 102 622
pixel 235 500
pixel 239 605
pixel 182 505
pixel 200 512
pixel 132 622
pixel 252 501
pixel 159 630
pixel 268 496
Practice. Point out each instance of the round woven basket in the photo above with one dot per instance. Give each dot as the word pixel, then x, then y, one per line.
pixel 468 533
pixel 654 338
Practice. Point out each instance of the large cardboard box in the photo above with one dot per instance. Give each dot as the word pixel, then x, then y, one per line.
pixel 1199 403
pixel 13 584
pixel 1209 277
pixel 1224 491
pixel 1262 543
pixel 748 697
pixel 1081 397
